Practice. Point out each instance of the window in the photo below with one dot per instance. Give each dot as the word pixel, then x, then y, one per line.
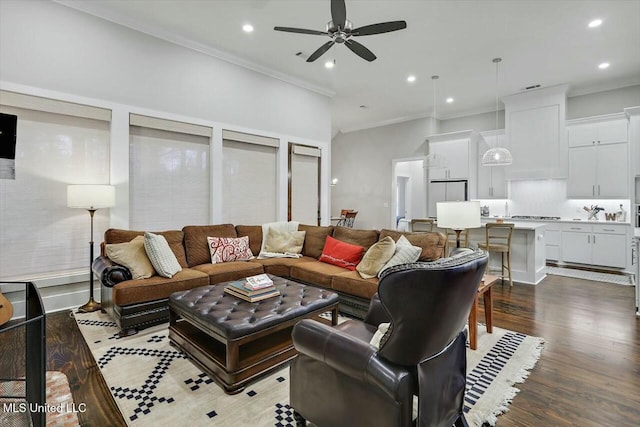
pixel 169 174
pixel 303 184
pixel 39 234
pixel 249 178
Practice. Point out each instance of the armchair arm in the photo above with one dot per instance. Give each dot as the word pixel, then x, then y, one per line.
pixel 109 272
pixel 352 357
pixel 376 314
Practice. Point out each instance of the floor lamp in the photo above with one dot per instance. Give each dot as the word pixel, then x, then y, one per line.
pixel 458 216
pixel 91 198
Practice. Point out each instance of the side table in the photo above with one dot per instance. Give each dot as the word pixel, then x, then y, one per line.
pixel 484 290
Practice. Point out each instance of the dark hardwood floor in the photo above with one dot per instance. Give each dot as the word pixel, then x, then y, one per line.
pixel 588 375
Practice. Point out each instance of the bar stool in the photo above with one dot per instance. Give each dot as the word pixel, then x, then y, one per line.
pixel 347 217
pixel 498 239
pixel 422 224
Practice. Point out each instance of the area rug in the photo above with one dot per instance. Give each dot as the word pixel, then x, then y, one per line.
pixel 155 384
pixel 61 411
pixel 618 279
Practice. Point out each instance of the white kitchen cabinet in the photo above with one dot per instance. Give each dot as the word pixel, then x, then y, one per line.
pixel 599 245
pixel 456 153
pixel 598 132
pixel 598 171
pixel 553 241
pixel 491 179
pixel 536 136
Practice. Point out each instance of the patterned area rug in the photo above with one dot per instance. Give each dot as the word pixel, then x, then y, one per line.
pixel 60 411
pixel 155 384
pixel 619 279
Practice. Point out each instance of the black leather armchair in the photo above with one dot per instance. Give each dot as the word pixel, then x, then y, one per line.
pixel 339 379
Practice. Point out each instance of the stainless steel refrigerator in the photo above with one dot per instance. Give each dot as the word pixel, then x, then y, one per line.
pixel 446 191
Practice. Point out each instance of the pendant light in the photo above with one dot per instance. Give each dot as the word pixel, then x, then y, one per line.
pixel 497 156
pixel 435 160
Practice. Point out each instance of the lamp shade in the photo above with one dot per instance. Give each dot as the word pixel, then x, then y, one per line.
pixel 91 196
pixel 458 215
pixel 497 156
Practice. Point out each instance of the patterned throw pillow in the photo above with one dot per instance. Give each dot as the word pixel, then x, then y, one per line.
pixel 405 253
pixel 376 257
pixel 225 249
pixel 161 256
pixel 133 256
pixel 341 254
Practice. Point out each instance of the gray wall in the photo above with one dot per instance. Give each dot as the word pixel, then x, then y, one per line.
pixel 600 103
pixel 361 160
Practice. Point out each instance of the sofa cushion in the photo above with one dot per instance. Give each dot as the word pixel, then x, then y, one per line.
pixel 351 283
pixel 364 238
pixel 226 271
pixel 316 273
pixel 254 232
pixel 162 258
pixel 432 244
pixel 133 256
pixel 281 266
pixel 226 249
pixel 314 239
pixel 342 254
pixel 376 257
pixel 157 287
pixel 195 241
pixel 174 239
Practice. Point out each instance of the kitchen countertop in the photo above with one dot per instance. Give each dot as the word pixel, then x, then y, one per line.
pixel 519 224
pixel 507 219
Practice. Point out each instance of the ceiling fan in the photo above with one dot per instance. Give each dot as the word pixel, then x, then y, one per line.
pixel 340 29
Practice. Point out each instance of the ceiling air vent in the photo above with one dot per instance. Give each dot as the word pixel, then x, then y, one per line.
pixel 532 87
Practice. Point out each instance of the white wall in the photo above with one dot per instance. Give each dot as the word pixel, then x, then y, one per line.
pixel 361 160
pixel 600 103
pixel 416 202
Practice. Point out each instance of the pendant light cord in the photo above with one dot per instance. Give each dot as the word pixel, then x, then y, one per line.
pixel 496 61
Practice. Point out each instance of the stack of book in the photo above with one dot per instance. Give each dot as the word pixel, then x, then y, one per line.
pixel 252 289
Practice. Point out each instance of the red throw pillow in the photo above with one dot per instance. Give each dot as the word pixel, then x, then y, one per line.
pixel 341 253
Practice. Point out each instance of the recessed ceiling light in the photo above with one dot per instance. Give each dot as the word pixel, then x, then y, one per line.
pixel 411 78
pixel 604 65
pixel 330 64
pixel 450 100
pixel 247 28
pixel 595 23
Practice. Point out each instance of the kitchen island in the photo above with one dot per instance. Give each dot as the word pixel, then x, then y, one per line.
pixel 528 252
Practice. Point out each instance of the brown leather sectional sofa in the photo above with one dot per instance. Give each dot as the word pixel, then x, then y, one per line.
pixel 136 304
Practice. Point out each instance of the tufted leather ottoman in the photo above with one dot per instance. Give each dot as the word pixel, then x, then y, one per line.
pixel 235 341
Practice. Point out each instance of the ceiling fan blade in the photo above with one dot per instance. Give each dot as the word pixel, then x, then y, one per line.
pixel 318 53
pixel 383 27
pixel 301 31
pixel 338 13
pixel 360 50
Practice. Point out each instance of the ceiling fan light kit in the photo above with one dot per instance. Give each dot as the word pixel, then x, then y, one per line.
pixel 340 30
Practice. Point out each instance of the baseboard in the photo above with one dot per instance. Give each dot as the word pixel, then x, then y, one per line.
pixel 54 298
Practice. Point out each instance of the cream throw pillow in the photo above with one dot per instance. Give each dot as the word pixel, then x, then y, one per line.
pixel 284 241
pixel 160 254
pixel 382 329
pixel 405 253
pixel 133 256
pixel 376 257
